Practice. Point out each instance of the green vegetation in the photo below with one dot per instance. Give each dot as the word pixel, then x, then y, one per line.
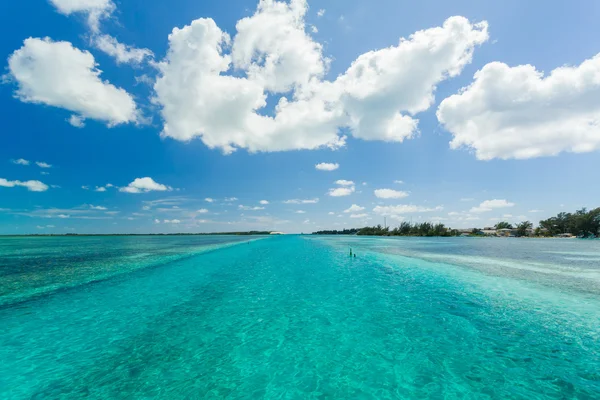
pixel 408 229
pixel 582 223
pixel 335 232
pixel 503 225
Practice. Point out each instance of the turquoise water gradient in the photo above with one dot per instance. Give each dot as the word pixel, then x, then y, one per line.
pixel 294 317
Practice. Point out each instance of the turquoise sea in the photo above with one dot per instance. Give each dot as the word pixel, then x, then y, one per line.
pixel 294 317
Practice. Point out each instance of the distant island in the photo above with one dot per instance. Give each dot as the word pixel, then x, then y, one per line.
pixel 582 223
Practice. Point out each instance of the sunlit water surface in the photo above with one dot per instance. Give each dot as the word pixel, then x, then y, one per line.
pixel 296 317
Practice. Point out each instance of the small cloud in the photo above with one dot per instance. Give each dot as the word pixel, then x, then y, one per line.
pixel 536 211
pixel 144 185
pixel 327 166
pixel 209 200
pixel 354 208
pixel 202 211
pixel 248 208
pixel 43 164
pixel 231 199
pixel 321 12
pixel 359 215
pixel 97 207
pixel 20 161
pixel 330 213
pixel 85 187
pixel 77 121
pixel 100 189
pixel 32 186
pixel 264 202
pixel 314 29
pixel 172 221
pixel 341 191
pixel 399 182
pixel 490 205
pixel 343 182
pixel 157 221
pixel 301 201
pixel 390 194
pixel 45 173
pixel 300 212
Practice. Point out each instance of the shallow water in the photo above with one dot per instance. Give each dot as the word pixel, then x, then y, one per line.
pixel 295 317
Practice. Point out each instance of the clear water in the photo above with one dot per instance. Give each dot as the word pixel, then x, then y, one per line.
pixel 295 317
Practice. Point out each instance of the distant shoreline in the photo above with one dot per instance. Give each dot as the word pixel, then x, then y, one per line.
pixel 252 233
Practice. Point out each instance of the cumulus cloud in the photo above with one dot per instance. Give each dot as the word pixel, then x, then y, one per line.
pixel 207 93
pixel 60 75
pixel 301 201
pixel 264 202
pixel 341 191
pixel 327 166
pixel 330 213
pixel 144 185
pixel 343 182
pixel 202 211
pixel 122 53
pixel 94 9
pixel 209 200
pixel 517 112
pixel 43 164
pixel 354 208
pixel 390 194
pixel 32 186
pixel 489 205
pixel 20 161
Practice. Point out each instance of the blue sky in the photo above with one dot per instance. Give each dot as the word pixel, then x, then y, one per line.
pixel 480 121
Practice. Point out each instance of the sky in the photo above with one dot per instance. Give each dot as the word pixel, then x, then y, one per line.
pixel 145 116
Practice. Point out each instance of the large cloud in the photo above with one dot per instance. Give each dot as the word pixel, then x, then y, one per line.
pixel 94 9
pixel 60 75
pixel 376 98
pixel 516 112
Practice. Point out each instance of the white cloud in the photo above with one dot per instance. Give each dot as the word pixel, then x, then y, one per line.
pixel 376 98
pixel 249 208
pixel 327 166
pixel 95 9
pixel 43 164
pixel 45 173
pixel 397 211
pixel 209 200
pixel 32 186
pixel 517 112
pixel 341 191
pixel 490 205
pixel 264 202
pixel 390 194
pixel 144 185
pixel 343 182
pixel 97 207
pixel 314 29
pixel 359 215
pixel 20 161
pixel 121 52
pixel 300 212
pixel 231 199
pixel 399 182
pixel 330 213
pixel 536 211
pixel 302 201
pixel 76 121
pixel 321 12
pixel 100 189
pixel 157 221
pixel 354 208
pixel 172 221
pixel 60 75
pixel 85 187
pixel 202 211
